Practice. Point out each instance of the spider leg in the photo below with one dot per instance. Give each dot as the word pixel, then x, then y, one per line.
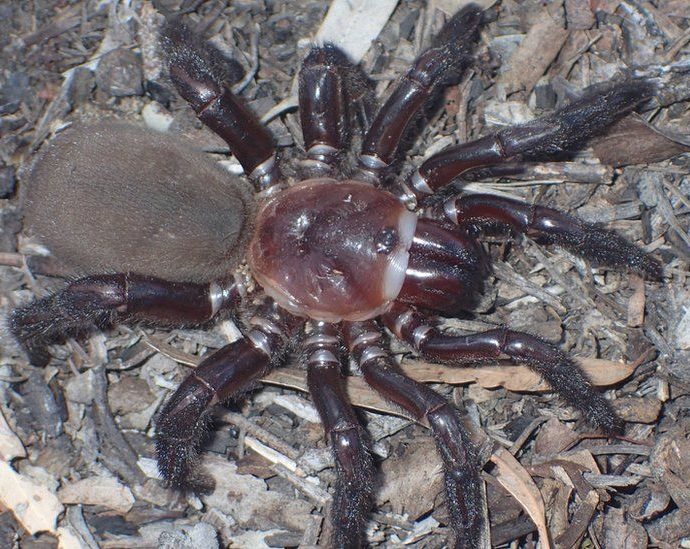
pixel 101 299
pixel 564 376
pixel 330 89
pixel 565 129
pixel 354 468
pixel 223 375
pixel 449 55
pixel 466 498
pixel 550 226
pixel 198 72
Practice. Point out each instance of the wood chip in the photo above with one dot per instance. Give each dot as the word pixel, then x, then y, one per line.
pixel 249 501
pixel 636 302
pixel 536 53
pixel 34 507
pixel 353 25
pixel 637 410
pixel 579 14
pixel 10 445
pixel 101 490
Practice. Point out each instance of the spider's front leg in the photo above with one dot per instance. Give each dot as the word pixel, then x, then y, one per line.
pixel 101 299
pixel 200 75
pixel 332 91
pixel 353 464
pixel 550 226
pixel 223 375
pixel 448 56
pixel 464 489
pixel 565 129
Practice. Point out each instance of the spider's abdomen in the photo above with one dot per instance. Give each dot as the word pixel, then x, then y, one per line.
pixel 112 197
pixel 332 250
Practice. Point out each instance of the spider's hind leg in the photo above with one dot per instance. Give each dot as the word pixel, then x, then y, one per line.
pixel 100 300
pixel 560 372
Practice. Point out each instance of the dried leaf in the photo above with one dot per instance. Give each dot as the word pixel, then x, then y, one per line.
pixel 514 478
pixel 413 481
pixel 634 141
pixel 515 378
pixel 34 506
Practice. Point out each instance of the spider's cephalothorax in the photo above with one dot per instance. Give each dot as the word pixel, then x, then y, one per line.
pixel 339 260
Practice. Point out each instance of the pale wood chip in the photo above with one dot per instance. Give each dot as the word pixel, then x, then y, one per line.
pixel 10 445
pixel 105 491
pixel 353 25
pixel 536 53
pixel 34 507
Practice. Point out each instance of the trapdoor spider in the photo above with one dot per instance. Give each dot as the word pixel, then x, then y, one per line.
pixel 336 260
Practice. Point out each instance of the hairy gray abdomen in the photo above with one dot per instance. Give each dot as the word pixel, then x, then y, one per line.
pixel 113 197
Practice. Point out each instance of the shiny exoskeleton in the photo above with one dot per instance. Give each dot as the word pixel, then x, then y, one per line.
pixel 339 259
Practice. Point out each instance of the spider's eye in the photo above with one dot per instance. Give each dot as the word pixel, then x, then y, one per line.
pixel 386 240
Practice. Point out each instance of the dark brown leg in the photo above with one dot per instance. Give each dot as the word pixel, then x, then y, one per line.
pixel 353 464
pixel 201 80
pixel 101 299
pixel 223 375
pixel 549 226
pixel 564 376
pixel 564 130
pixel 330 90
pixel 449 55
pixel 446 268
pixel 461 463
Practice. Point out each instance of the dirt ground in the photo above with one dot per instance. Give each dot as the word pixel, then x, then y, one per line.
pixel 76 436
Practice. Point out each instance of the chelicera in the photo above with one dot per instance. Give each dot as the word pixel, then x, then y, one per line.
pixel 334 260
